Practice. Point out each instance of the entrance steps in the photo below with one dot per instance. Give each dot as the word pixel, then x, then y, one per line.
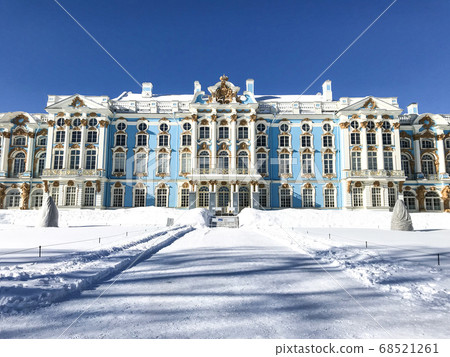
pixel 224 221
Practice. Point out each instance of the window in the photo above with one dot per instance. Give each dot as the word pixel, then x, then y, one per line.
pixel 308 199
pixel 354 124
pixel 306 127
pixel 387 139
pixel 58 159
pixel 224 132
pixel 406 167
pixel 55 195
pixel 405 143
pixel 76 122
pixel 329 198
pixel 139 197
pixel 121 140
pixel 74 160
pixel 388 161
pixel 186 162
pixel 376 196
pixel 370 125
pixel 356 160
pixel 447 164
pixel 203 196
pixel 91 158
pixel 386 125
pixel 71 196
pixel 261 163
pixel 117 199
pixel 141 163
pixel 119 162
pixel 184 196
pixel 92 136
pixel 410 200
pixel 141 140
pixel 186 140
pixel 428 167
pixel 242 163
pixel 19 164
pixel 372 160
pixel 261 140
pixel 355 139
pixel 203 161
pixel 163 127
pixel 284 141
pixel 60 136
pixel 432 201
pixel 223 162
pixel 392 196
pixel 121 126
pixel 186 127
pixel 327 127
pixel 447 143
pixel 263 197
pixel 37 198
pixel 328 164
pixel 163 140
pixel 284 128
pixel 223 197
pixel 306 163
pixel 89 197
pixel 285 198
pixel 327 141
pixel 306 141
pixel 204 132
pixel 93 122
pixel 260 127
pixel 60 122
pixel 76 137
pixel 285 162
pixel 40 164
pixel 13 199
pixel 243 197
pixel 163 163
pixel 41 141
pixel 357 197
pixel 242 132
pixel 371 139
pixel 427 144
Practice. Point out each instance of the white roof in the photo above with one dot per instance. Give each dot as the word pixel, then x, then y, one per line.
pixel 127 96
pixel 288 98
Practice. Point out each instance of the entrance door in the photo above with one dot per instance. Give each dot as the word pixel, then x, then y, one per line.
pixel 244 198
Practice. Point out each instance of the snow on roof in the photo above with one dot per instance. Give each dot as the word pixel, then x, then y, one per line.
pixel 127 96
pixel 288 98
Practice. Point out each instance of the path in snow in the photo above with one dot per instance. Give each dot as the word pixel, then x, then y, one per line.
pixel 225 283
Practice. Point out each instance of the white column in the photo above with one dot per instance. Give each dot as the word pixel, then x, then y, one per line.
pixel 62 197
pixel 4 156
pixel 80 194
pixel 194 143
pixel 213 141
pixel 441 154
pixel 417 156
pixel 30 151
pixel 99 195
pixel 364 160
pixel 233 142
pixel 83 144
pixel 345 146
pixel 102 145
pixel 66 147
pixel 397 151
pixel 380 155
pixel 49 153
pixel 252 143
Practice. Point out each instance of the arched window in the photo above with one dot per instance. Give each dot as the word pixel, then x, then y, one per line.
pixel 223 197
pixel 285 198
pixel 428 167
pixel 203 196
pixel 74 159
pixel 357 197
pixel 89 197
pixel 119 162
pixel 139 197
pixel 244 198
pixel 405 143
pixel 307 197
pixel 12 199
pixel 184 196
pixel 42 141
pixel 242 163
pixel 285 164
pixel 406 167
pixel 261 162
pixel 40 164
pixel 141 163
pixel 71 196
pixel 36 198
pixel 410 200
pixel 91 159
pixel 121 140
pixel 186 162
pixel 20 141
pixel 19 164
pixel 223 162
pixel 117 197
pixel 306 163
pixel 427 143
pixel 432 201
pixel 203 161
pixel 328 164
pixel 329 200
pixel 163 163
pixel 162 197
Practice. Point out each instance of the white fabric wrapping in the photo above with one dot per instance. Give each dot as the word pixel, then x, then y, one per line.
pixel 401 220
pixel 49 214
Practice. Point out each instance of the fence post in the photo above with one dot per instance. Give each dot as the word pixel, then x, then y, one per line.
pixel 366 244
pixel 329 235
pixel 40 251
pixel 439 260
pixel 99 240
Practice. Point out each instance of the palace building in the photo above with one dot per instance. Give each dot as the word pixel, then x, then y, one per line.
pixel 225 149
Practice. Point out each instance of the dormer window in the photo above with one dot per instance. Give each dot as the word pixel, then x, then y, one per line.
pixel 20 141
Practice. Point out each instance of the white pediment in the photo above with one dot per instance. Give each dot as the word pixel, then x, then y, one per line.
pixel 78 102
pixel 18 118
pixel 370 104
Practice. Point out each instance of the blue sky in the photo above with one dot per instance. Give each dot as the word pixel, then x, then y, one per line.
pixel 283 45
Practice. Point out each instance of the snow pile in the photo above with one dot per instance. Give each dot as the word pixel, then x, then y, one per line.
pixel 401 220
pixel 336 218
pixel 27 286
pixel 197 217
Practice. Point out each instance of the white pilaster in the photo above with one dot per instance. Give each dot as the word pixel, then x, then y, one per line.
pixel 30 151
pixel 194 144
pixel 397 150
pixel 441 154
pixel 417 156
pixel 364 159
pixel 213 141
pixel 49 152
pixel 102 145
pixel 345 147
pixel 252 143
pixel 380 154
pixel 4 156
pixel 66 147
pixel 83 146
pixel 233 143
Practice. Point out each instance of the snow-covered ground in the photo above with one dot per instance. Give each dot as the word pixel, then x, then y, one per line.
pixel 290 273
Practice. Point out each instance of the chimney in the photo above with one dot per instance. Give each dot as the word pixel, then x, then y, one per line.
pixel 197 87
pixel 326 91
pixel 147 89
pixel 250 85
pixel 413 108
